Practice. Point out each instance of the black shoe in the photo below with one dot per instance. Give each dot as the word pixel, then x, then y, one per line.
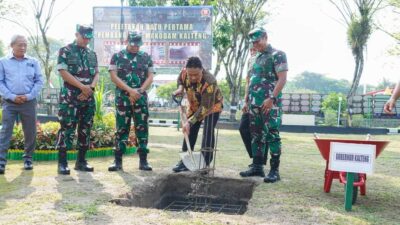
pixel 144 165
pixel 272 177
pixel 255 170
pixel 83 166
pixel 250 165
pixel 63 169
pixel 2 169
pixel 180 167
pixel 117 165
pixel 28 165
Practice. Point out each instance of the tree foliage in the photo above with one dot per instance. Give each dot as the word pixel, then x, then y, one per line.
pixel 43 15
pixel 235 20
pixel 358 16
pixel 165 91
pixel 320 83
pixel 332 102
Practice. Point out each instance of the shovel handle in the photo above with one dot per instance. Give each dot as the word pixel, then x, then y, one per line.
pixel 178 99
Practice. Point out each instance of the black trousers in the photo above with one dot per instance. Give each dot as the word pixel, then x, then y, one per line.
pixel 244 129
pixel 208 142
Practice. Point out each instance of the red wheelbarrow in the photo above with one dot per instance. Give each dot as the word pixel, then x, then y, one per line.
pixel 359 178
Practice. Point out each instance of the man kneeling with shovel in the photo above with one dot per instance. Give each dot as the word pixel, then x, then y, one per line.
pixel 205 104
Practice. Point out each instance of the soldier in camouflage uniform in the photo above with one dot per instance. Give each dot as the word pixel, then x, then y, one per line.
pixel 77 65
pixel 268 77
pixel 132 72
pixel 205 104
pixel 244 126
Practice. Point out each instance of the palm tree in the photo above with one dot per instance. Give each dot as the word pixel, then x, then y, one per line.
pixel 358 17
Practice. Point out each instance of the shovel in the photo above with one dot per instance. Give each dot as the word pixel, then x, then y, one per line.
pixel 192 160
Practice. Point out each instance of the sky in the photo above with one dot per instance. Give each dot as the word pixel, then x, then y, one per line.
pixel 309 31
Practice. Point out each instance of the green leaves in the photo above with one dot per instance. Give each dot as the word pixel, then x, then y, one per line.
pixel 165 91
pixel 331 103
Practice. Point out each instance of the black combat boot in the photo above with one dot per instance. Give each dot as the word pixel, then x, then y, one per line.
pixel 62 163
pixel 81 164
pixel 117 165
pixel 273 175
pixel 143 164
pixel 180 167
pixel 257 169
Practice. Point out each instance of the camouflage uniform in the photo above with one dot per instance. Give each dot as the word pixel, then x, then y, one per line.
pixel 264 127
pixel 81 63
pixel 133 69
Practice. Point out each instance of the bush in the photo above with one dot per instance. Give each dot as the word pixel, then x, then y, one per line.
pixel 101 135
pixel 47 135
pixel 330 117
pixel 358 121
pixel 332 102
pixel 17 139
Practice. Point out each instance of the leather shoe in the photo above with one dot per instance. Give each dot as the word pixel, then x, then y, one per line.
pixel 2 169
pixel 180 167
pixel 28 165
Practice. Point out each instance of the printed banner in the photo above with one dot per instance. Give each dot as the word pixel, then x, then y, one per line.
pixel 170 34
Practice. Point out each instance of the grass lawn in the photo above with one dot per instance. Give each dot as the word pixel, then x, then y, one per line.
pixel 42 196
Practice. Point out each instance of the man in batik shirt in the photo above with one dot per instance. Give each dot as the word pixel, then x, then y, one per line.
pixel 205 104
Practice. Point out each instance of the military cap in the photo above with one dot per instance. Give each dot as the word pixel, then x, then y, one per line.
pixel 85 31
pixel 257 33
pixel 134 38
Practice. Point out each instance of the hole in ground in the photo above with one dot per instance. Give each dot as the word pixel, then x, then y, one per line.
pixel 191 192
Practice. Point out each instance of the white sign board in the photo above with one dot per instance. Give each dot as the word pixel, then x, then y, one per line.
pixel 355 158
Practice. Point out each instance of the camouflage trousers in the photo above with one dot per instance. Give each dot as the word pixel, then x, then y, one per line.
pixel 139 113
pixel 264 131
pixel 70 116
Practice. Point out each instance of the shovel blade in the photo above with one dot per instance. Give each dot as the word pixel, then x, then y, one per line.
pixel 195 163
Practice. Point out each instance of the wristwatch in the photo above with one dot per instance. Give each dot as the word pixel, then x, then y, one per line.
pixel 140 90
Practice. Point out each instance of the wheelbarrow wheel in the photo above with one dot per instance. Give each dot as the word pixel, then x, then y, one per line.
pixel 355 188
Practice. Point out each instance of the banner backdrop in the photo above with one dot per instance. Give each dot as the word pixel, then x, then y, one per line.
pixel 170 34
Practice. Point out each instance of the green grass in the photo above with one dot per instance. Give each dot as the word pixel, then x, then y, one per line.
pixel 43 197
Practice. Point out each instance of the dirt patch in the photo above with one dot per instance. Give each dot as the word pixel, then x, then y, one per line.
pixel 191 192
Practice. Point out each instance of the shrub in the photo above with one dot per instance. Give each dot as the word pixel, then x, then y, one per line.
pixel 358 121
pixel 102 134
pixel 47 135
pixel 332 102
pixel 17 140
pixel 330 117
